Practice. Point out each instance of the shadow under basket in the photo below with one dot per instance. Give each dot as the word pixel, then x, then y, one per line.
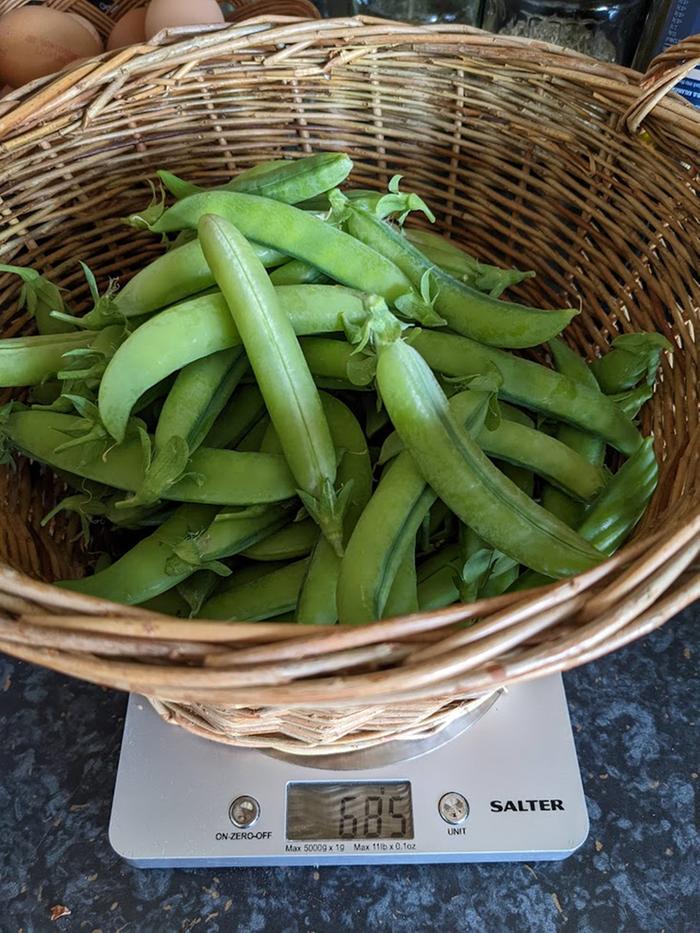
pixel 530 156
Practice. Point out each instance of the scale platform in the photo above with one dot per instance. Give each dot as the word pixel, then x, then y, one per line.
pixel 506 788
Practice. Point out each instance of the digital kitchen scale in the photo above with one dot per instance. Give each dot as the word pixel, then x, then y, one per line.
pixel 506 788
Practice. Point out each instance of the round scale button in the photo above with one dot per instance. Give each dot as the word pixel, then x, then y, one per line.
pixel 453 808
pixel 244 811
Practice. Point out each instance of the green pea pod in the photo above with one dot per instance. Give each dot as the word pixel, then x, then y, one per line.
pixel 522 446
pixel 618 509
pixel 380 541
pixel 403 595
pixel 245 409
pixel 29 361
pixel 181 188
pixel 301 235
pixel 228 533
pixel 200 327
pixel 632 400
pixel 634 357
pixel 46 394
pixel 503 571
pixel 317 599
pixel 382 536
pixel 296 272
pixel 223 477
pixel 336 360
pixel 253 439
pixel 455 467
pixel 452 574
pixel 170 603
pixel 177 274
pixel 321 203
pixel 197 397
pixel 460 265
pixel 40 297
pixel 590 446
pixel 464 309
pixel 195 590
pixel 141 574
pixel 290 180
pixel 437 579
pixel 248 572
pixel 265 597
pixel 622 503
pixel 283 376
pixel 289 543
pixel 531 385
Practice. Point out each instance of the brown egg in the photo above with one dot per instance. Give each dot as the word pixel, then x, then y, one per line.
pixel 91 28
pixel 164 13
pixel 37 41
pixel 129 30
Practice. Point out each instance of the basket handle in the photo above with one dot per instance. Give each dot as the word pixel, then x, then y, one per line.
pixel 663 74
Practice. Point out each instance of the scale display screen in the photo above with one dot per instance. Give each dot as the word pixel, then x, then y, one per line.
pixel 349 811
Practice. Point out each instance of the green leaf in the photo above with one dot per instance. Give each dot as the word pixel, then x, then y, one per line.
pixel 145 219
pixel 403 204
pixel 167 466
pixel 91 280
pixel 380 326
pixel 473 574
pixel 178 187
pixel 340 208
pixel 361 370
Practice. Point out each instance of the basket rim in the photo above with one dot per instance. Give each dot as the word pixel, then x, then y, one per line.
pixel 24 109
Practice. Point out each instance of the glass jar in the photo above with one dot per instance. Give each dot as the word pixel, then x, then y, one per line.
pixel 605 29
pixel 422 11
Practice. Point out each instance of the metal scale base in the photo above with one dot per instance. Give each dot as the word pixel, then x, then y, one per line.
pixel 507 788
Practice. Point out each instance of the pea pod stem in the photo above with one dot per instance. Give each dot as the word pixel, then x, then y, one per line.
pixel 200 327
pixel 291 398
pixel 40 297
pixel 529 384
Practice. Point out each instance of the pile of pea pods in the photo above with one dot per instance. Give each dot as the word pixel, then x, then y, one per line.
pixel 309 409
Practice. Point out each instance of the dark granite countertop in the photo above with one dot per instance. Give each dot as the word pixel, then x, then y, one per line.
pixel 633 716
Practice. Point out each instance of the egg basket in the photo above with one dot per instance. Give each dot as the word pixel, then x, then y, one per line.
pixel 530 156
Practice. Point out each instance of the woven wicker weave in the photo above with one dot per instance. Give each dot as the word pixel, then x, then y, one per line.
pixel 530 156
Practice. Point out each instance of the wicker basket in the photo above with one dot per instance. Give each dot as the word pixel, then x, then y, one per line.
pixel 531 156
